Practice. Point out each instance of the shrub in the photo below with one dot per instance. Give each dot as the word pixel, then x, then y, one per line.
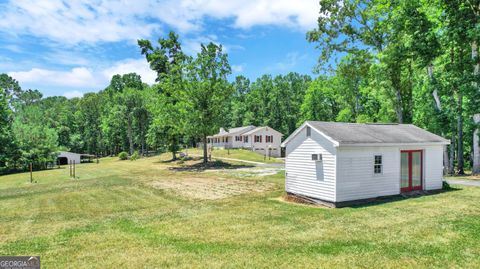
pixel 134 156
pixel 123 155
pixel 446 186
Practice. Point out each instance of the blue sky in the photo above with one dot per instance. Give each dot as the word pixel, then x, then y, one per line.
pixel 72 47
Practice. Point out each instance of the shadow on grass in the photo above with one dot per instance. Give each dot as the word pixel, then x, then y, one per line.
pixel 301 199
pixel 395 198
pixel 179 159
pixel 212 165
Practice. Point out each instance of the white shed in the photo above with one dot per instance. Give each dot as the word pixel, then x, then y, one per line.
pixel 337 163
pixel 65 157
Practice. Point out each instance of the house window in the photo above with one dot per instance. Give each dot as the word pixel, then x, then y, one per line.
pixel 257 139
pixel 317 157
pixel 246 139
pixel 378 163
pixel 269 138
pixel 309 131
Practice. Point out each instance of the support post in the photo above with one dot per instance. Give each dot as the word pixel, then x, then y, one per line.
pixel 31 173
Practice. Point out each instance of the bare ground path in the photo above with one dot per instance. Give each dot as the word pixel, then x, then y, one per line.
pixel 464 182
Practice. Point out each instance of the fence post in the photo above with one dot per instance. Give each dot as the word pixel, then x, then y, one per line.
pixel 31 173
pixel 73 169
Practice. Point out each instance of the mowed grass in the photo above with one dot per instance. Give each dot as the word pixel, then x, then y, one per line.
pixel 112 216
pixel 242 154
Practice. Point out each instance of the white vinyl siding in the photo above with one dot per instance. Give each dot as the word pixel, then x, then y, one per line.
pixel 347 173
pixel 306 176
pixel 433 167
pixel 357 178
pixel 263 146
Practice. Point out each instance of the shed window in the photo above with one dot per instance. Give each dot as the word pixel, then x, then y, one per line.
pixel 309 131
pixel 378 163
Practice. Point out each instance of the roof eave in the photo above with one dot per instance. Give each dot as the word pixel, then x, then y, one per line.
pixel 393 144
pixel 306 123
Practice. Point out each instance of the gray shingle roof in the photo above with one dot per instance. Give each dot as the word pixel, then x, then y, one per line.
pixel 361 133
pixel 260 128
pixel 233 131
pixel 240 130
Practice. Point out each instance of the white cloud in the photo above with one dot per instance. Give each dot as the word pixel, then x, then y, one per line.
pixel 73 22
pixel 84 78
pixel 92 21
pixel 238 68
pixel 73 94
pixel 290 61
pixel 76 77
pixel 139 66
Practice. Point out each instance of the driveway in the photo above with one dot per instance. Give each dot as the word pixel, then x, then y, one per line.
pixel 463 182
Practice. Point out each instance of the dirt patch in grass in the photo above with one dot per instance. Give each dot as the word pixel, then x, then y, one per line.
pixel 210 188
pixel 248 171
pixel 200 166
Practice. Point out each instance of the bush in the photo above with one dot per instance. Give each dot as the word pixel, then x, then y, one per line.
pixel 123 155
pixel 134 156
pixel 446 186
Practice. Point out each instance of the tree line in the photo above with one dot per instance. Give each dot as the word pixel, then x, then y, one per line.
pixel 380 61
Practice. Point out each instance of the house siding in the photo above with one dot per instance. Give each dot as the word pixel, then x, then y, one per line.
pixel 261 147
pixel 433 162
pixel 301 171
pixel 356 179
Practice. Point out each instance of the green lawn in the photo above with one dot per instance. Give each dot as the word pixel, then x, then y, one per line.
pixel 242 154
pixel 147 213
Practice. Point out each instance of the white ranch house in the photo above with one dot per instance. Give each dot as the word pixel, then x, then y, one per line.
pixel 264 140
pixel 337 163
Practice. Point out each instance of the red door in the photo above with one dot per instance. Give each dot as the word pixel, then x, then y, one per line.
pixel 411 170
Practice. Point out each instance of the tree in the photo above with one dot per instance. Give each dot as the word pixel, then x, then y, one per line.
pixel 5 128
pixel 88 118
pixel 10 87
pixel 320 103
pixel 391 31
pixel 135 114
pixel 238 103
pixel 166 101
pixel 207 92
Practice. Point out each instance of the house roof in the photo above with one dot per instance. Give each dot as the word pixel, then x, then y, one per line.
pixel 233 131
pixel 373 133
pixel 258 129
pixel 63 153
pixel 240 130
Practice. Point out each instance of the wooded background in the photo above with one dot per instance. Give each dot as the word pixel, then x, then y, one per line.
pixel 380 61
